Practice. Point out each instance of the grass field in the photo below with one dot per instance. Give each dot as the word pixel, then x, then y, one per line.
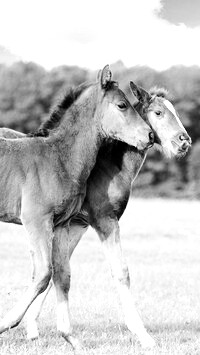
pixel 161 242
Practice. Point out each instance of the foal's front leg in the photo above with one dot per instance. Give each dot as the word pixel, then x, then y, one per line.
pixel 40 235
pixel 33 314
pixel 108 231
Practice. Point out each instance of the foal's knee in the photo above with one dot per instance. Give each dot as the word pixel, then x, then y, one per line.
pixel 123 277
pixel 62 279
pixel 44 280
pixel 66 283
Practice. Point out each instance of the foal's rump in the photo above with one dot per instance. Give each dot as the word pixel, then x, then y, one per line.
pixel 11 181
pixel 22 166
pixel 10 133
pixel 30 174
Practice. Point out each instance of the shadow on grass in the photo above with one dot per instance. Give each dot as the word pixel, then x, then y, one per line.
pixel 170 327
pixel 114 333
pixel 91 336
pixel 94 336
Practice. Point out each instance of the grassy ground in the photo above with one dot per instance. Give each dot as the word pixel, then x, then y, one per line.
pixel 161 242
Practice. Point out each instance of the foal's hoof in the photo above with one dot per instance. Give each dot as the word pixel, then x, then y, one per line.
pixel 2 328
pixel 75 343
pixel 147 342
pixel 32 331
pixel 78 349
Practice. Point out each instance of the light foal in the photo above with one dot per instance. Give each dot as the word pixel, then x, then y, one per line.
pixel 108 190
pixel 43 176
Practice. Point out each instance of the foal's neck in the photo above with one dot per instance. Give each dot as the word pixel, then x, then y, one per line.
pixel 118 158
pixel 78 138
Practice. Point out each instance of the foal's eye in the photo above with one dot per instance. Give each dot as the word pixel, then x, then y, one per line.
pixel 158 113
pixel 122 105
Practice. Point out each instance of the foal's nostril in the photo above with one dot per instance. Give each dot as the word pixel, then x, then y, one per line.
pixel 151 137
pixel 185 145
pixel 184 137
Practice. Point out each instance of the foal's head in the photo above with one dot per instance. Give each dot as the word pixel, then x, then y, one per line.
pixel 162 117
pixel 119 120
pixel 102 106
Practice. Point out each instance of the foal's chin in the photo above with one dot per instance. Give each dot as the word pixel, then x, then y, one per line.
pixel 171 150
pixel 181 153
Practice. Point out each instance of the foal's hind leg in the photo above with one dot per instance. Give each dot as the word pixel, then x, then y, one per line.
pixel 68 240
pixel 40 236
pixel 108 231
pixel 63 246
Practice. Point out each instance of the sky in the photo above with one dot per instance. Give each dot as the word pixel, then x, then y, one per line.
pixel 91 33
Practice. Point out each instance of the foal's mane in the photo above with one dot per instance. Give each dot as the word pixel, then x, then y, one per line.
pixel 57 114
pixel 159 92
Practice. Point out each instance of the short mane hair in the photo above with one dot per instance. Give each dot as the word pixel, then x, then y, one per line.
pixel 160 92
pixel 55 117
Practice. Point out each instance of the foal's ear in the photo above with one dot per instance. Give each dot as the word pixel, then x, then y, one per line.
pixel 99 75
pixel 105 76
pixel 141 94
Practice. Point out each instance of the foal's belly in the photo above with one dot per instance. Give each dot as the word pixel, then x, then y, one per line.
pixel 10 218
pixel 10 206
pixel 68 211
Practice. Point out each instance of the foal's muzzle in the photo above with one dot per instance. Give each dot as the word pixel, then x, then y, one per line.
pixel 151 139
pixel 184 142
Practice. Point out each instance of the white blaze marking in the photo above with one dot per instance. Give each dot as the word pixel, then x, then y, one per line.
pixel 171 108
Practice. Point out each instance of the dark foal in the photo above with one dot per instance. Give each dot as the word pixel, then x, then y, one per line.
pixel 108 191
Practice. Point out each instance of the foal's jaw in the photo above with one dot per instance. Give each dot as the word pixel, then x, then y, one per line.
pixel 141 138
pixel 126 125
pixel 168 149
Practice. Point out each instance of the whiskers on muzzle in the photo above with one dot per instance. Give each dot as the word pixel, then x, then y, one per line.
pixel 182 143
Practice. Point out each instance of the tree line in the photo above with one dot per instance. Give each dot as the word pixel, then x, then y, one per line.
pixel 28 92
